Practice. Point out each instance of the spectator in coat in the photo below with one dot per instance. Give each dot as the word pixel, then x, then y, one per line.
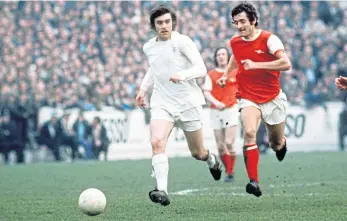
pixel 82 131
pixel 99 137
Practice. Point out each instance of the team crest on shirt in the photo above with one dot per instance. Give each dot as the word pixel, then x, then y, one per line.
pixel 259 51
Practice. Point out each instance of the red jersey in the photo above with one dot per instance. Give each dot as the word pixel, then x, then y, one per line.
pixel 259 86
pixel 227 94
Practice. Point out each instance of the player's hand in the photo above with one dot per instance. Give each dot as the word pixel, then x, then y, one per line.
pixel 222 81
pixel 248 64
pixel 219 105
pixel 140 99
pixel 176 78
pixel 341 83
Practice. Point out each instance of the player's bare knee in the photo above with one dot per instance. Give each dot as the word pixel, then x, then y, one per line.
pixel 221 149
pixel 229 142
pixel 230 147
pixel 158 145
pixel 249 135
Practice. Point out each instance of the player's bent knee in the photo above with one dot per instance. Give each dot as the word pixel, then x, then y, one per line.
pixel 229 141
pixel 250 135
pixel 230 147
pixel 158 144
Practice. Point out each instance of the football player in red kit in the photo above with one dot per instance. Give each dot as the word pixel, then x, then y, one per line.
pixel 259 56
pixel 224 110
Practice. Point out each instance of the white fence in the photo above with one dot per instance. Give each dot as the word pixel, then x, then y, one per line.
pixel 306 130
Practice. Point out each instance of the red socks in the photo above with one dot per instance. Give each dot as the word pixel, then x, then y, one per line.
pixel 251 156
pixel 229 163
pixel 233 161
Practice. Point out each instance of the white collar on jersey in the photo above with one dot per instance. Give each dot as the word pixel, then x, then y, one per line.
pixel 255 37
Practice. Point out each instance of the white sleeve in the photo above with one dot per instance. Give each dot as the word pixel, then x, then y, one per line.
pixel 198 68
pixel 208 83
pixel 147 81
pixel 274 44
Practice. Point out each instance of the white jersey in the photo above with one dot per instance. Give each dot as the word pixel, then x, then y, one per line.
pixel 179 55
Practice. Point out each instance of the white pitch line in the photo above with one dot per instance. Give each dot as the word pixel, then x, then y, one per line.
pixel 266 195
pixel 189 191
pixel 271 186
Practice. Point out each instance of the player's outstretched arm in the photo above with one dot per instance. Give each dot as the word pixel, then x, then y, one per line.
pixel 198 68
pixel 281 64
pixel 147 82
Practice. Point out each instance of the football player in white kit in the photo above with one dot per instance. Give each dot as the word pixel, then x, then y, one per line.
pixel 174 65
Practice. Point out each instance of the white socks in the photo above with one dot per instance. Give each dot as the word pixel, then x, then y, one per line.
pixel 211 160
pixel 160 166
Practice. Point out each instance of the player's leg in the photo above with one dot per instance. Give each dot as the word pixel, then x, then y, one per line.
pixel 222 149
pixel 250 119
pixel 230 137
pixel 230 120
pixel 194 139
pixel 160 127
pixel 275 124
pixel 216 123
pixel 277 141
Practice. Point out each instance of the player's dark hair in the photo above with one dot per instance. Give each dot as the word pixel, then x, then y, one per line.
pixel 97 119
pixel 215 55
pixel 159 11
pixel 249 9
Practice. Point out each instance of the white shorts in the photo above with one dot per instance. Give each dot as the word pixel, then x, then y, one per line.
pixel 228 117
pixel 273 112
pixel 188 120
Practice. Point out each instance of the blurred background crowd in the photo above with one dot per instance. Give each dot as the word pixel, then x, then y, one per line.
pixel 89 54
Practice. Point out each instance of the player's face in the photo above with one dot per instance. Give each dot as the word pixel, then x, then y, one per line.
pixel 222 57
pixel 243 25
pixel 163 26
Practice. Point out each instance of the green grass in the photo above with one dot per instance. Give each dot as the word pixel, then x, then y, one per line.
pixel 305 186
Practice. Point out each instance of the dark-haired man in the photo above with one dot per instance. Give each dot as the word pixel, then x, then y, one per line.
pixel 259 56
pixel 224 110
pixel 175 64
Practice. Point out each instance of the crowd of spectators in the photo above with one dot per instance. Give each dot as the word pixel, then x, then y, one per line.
pixel 88 54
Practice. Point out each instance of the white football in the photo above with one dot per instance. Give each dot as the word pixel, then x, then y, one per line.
pixel 92 202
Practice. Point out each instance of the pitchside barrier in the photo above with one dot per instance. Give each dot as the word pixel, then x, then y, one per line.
pixel 306 130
